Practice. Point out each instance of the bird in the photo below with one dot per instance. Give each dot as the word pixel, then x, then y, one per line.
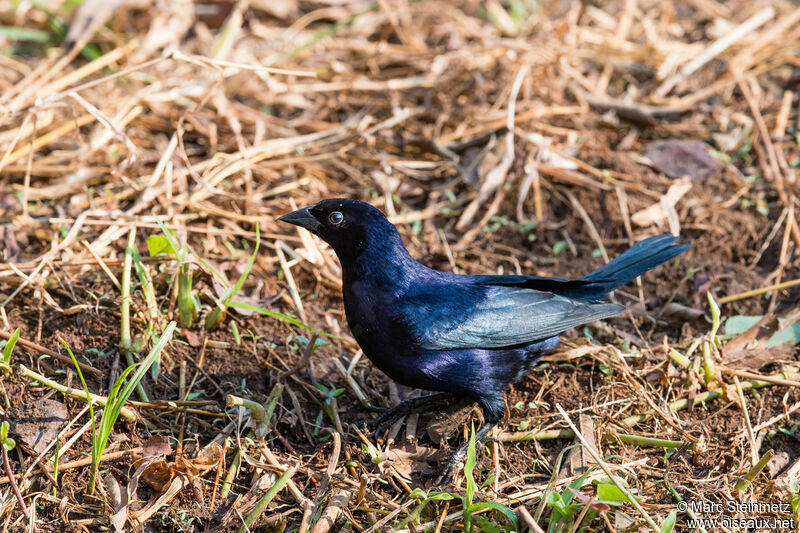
pixel 458 335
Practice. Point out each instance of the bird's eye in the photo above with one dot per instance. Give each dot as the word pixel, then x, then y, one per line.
pixel 336 217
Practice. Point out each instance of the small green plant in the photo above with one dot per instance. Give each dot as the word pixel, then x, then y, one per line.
pixel 669 523
pixel 565 512
pixel 8 349
pixel 117 397
pixel 6 441
pixel 187 303
pixel 330 393
pixel 419 494
pixel 153 315
pixel 218 313
pixel 470 507
pixel 126 344
pixel 56 457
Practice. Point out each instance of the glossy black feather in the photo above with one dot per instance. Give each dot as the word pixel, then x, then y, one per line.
pixel 468 335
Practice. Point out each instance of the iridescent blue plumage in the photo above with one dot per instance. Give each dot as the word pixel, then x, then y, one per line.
pixel 466 335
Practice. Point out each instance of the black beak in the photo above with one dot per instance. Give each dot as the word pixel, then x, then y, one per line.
pixel 302 218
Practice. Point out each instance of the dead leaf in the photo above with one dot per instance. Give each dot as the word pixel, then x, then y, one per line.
pixel 159 474
pixel 36 425
pixel 408 459
pixel 193 339
pixel 151 508
pixel 247 500
pixel 679 159
pixel 744 339
pixel 155 446
pixel 656 213
pixel 779 461
pixel 572 353
pixel 741 353
pixel 119 504
pixel 755 358
pixel 683 312
pixel 445 423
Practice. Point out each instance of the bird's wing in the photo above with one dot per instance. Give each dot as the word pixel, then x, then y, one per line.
pixel 494 316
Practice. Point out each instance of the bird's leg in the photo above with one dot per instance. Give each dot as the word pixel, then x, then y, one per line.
pixel 421 404
pixel 449 469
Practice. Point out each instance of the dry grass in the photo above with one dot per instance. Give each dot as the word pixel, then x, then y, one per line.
pixel 499 137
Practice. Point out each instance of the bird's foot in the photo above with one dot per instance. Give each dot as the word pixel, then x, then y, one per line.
pixel 388 416
pixel 378 424
pixel 449 469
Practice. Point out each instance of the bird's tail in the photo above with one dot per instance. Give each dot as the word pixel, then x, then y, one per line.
pixel 634 262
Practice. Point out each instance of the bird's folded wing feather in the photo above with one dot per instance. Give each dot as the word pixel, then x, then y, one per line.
pixel 496 317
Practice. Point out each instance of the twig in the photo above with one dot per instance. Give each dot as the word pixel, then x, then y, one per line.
pixel 756 292
pixel 526 518
pixel 335 505
pixel 748 426
pixel 602 465
pixel 352 382
pixel 589 224
pixel 272 402
pixel 125 342
pixel 13 483
pixel 386 519
pixel 683 403
pixel 643 441
pixel 332 464
pixel 102 264
pixel 47 351
pixel 775 379
pixel 231 474
pixel 776 418
pixel 257 410
pixel 717 47
pixel 264 501
pixel 126 413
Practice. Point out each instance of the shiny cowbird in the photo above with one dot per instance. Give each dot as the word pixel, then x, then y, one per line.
pixel 458 335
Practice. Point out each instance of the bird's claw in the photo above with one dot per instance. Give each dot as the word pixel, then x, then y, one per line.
pixel 377 424
pixel 446 474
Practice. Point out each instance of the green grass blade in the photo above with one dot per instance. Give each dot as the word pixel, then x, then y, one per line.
pixel 155 352
pixel 90 487
pixel 8 349
pixel 215 316
pixel 187 311
pixel 469 467
pixel 499 507
pixel 109 417
pixel 14 33
pixel 285 318
pixel 173 242
pixel 669 523
pixel 186 308
pixel 715 314
pixel 246 272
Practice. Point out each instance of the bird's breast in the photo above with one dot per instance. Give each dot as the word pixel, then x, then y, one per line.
pixel 383 337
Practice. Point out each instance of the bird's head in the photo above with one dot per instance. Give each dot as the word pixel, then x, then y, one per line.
pixel 349 226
